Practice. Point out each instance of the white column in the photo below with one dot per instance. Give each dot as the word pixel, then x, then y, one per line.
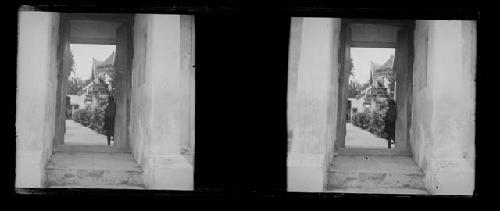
pixel 442 133
pixel 311 108
pixel 35 99
pixel 452 70
pixel 167 168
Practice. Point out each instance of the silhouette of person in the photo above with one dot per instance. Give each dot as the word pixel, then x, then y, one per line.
pixel 109 119
pixel 390 122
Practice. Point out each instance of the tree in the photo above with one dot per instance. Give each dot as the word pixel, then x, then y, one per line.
pixel 353 89
pixel 71 63
pixel 76 85
pixel 350 66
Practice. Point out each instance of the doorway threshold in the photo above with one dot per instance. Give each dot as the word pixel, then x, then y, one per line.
pixel 90 148
pixel 94 170
pixel 377 174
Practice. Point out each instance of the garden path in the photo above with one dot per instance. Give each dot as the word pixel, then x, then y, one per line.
pixel 359 138
pixel 77 134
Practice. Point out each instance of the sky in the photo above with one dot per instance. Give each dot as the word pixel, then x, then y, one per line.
pixel 361 58
pixel 83 55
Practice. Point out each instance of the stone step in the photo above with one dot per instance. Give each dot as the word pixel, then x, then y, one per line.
pixel 375 174
pixel 94 170
pixel 399 191
pixel 99 187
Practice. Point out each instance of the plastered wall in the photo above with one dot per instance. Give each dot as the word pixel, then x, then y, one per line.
pixel 161 98
pixel 96 31
pixel 187 58
pixel 313 84
pixel 374 33
pixel 35 97
pixel 442 132
pixel 140 108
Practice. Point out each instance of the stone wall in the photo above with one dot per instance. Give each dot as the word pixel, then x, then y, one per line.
pixel 160 105
pixel 140 108
pixel 187 67
pixel 35 98
pixel 312 108
pixel 442 132
pixel 102 32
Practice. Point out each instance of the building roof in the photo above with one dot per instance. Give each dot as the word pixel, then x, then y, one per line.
pixel 96 64
pixel 110 61
pixel 386 66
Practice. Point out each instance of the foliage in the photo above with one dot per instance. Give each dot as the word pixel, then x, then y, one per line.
pixel 76 85
pixel 97 118
pixel 82 116
pixel 350 67
pixel 71 62
pixel 374 122
pixel 93 119
pixel 376 125
pixel 361 120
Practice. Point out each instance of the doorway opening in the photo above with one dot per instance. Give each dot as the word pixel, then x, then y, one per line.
pixel 89 99
pixel 93 88
pixel 374 87
pixel 370 98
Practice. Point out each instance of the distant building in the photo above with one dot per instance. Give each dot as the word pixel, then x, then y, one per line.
pixel 101 84
pixel 375 96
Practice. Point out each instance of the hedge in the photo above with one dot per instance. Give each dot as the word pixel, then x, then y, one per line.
pixel 93 119
pixel 371 121
pixel 361 120
pixel 82 116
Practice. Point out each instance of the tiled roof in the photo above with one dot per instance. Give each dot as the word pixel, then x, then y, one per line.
pixel 387 65
pixel 109 61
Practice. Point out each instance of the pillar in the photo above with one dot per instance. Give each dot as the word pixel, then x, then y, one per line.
pixel 166 167
pixel 313 84
pixel 453 65
pixel 442 134
pixel 35 97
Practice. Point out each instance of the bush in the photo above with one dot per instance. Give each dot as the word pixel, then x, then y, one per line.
pixel 93 119
pixel 371 121
pixel 361 120
pixel 82 116
pixel 376 125
pixel 97 118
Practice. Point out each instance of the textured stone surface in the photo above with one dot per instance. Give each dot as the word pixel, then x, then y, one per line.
pixel 442 134
pixel 311 107
pixel 94 170
pixel 162 98
pixel 375 174
pixel 35 95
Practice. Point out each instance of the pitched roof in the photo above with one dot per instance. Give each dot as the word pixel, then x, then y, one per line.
pixel 108 61
pixel 387 64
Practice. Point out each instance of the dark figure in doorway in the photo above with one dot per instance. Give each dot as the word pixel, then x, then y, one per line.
pixel 390 122
pixel 109 119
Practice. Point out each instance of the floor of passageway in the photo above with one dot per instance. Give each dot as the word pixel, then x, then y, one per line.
pixel 94 170
pixel 359 138
pixel 77 134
